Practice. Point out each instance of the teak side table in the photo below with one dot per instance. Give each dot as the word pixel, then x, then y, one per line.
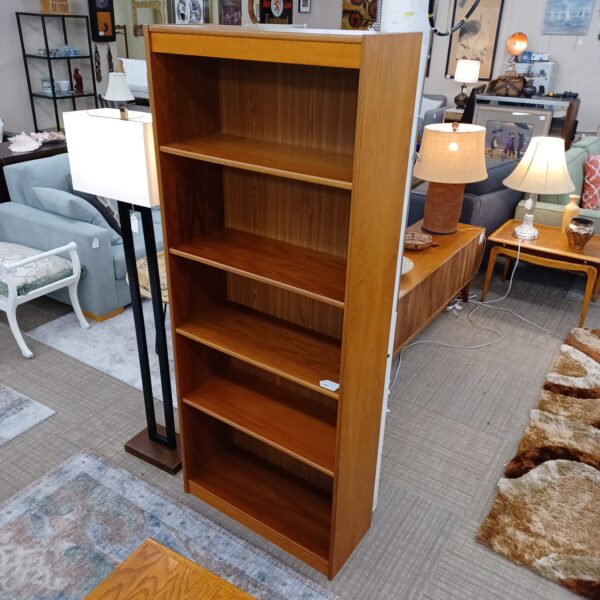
pixel 440 273
pixel 551 250
pixel 154 571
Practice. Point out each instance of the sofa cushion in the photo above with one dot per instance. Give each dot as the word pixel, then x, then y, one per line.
pixel 497 173
pixel 105 206
pixel 68 205
pixel 590 143
pixel 21 178
pixel 33 275
pixel 590 198
pixel 575 159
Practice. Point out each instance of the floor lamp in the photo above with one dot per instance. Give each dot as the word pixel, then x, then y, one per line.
pixel 114 157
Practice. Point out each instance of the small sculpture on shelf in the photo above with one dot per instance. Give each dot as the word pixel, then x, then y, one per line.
pixel 78 81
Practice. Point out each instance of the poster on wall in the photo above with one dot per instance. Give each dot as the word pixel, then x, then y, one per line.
pixel 359 14
pixel 276 12
pixel 230 12
pixel 191 12
pixel 568 17
pixel 477 38
pixel 102 20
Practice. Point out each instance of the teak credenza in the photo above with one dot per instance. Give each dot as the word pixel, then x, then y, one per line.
pixel 282 163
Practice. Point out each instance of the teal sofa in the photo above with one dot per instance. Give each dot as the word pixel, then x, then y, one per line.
pixel 549 208
pixel 103 288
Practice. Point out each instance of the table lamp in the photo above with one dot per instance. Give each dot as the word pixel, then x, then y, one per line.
pixel 450 156
pixel 118 89
pixel 542 170
pixel 116 158
pixel 467 71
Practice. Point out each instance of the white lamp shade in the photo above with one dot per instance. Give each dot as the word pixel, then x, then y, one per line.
pixel 111 157
pixel 543 168
pixel 452 156
pixel 118 89
pixel 467 71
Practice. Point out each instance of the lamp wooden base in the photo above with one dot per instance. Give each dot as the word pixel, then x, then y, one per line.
pixel 160 456
pixel 443 206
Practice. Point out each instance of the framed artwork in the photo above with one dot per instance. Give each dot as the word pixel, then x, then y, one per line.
pixel 276 12
pixel 230 12
pixel 304 6
pixel 568 17
pixel 510 129
pixel 359 14
pixel 186 12
pixel 477 38
pixel 102 20
pixel 145 12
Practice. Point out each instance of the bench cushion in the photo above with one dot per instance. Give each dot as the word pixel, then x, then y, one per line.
pixel 33 275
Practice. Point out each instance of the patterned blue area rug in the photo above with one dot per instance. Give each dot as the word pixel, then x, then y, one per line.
pixel 19 413
pixel 64 534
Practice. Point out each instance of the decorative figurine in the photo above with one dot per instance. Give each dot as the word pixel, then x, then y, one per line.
pixel 78 81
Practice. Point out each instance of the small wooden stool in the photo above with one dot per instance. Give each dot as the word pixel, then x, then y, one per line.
pixel 154 571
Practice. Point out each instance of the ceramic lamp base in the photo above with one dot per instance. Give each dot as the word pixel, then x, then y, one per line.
pixel 443 206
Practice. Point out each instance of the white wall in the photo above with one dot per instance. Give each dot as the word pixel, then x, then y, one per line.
pixel 15 108
pixel 578 58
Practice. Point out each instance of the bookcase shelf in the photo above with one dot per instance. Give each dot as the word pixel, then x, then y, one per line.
pixel 283 159
pixel 272 344
pixel 323 276
pixel 271 414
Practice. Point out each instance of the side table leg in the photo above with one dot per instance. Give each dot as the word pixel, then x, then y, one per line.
pixel 506 268
pixel 590 285
pixel 489 272
pixel 464 293
pixel 596 289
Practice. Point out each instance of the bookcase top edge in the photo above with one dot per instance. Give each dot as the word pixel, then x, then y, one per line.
pixel 257 31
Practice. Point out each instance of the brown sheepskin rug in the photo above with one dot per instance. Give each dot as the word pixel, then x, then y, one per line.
pixel 546 514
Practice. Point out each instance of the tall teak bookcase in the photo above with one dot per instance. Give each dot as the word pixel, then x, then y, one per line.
pixel 282 162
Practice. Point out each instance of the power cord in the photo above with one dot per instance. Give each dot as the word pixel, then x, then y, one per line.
pixel 486 304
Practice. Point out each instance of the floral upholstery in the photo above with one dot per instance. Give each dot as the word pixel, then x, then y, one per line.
pixel 33 275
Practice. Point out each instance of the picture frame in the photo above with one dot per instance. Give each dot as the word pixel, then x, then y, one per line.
pixel 304 6
pixel 571 17
pixel 477 39
pixel 102 20
pixel 276 12
pixel 230 12
pixel 509 129
pixel 186 12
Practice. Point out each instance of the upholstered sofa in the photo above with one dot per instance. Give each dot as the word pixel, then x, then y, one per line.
pixel 486 203
pixel 103 288
pixel 549 208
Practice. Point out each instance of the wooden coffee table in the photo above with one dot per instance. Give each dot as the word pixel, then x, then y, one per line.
pixel 154 571
pixel 440 273
pixel 551 249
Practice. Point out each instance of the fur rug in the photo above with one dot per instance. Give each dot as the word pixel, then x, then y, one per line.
pixel 547 511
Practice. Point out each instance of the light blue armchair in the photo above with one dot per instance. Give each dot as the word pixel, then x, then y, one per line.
pixel 103 289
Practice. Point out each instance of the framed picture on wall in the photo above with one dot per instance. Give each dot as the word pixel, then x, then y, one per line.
pixel 477 38
pixel 509 131
pixel 359 14
pixel 304 6
pixel 276 12
pixel 186 12
pixel 102 20
pixel 230 12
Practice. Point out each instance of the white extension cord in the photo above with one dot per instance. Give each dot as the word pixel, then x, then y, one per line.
pixel 488 304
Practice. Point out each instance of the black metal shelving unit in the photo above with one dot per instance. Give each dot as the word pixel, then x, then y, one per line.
pixel 56 97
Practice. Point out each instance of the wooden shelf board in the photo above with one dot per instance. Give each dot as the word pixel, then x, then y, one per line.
pixel 301 270
pixel 272 344
pixel 282 160
pixel 287 421
pixel 275 504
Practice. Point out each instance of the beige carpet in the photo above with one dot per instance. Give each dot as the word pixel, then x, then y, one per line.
pixel 547 511
pixel 455 419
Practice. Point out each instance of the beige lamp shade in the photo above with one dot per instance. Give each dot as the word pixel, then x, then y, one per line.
pixel 467 71
pixel 118 89
pixel 452 155
pixel 543 168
